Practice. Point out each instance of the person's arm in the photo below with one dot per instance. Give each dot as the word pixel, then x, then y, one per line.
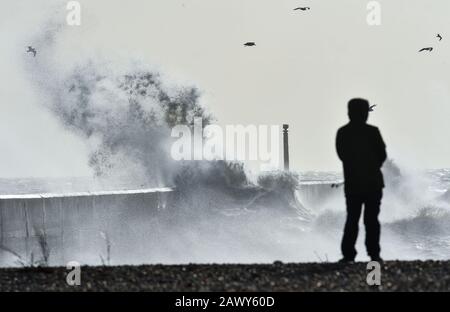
pixel 339 145
pixel 381 148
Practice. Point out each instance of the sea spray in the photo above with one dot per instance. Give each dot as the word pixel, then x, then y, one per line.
pixel 126 118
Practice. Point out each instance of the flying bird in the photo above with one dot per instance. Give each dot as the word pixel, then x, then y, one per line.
pixel 439 37
pixel 32 50
pixel 372 107
pixel 426 49
pixel 302 8
pixel 249 44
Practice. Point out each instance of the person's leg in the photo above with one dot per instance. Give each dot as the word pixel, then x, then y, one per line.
pixel 371 212
pixel 354 206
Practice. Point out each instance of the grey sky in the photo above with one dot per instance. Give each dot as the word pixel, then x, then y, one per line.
pixel 305 67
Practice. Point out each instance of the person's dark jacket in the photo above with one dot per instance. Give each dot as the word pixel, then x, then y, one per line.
pixel 362 151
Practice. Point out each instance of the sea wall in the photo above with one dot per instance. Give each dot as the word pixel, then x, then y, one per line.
pixel 67 220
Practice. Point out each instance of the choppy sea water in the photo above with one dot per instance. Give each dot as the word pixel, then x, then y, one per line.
pixel 18 186
pixel 415 222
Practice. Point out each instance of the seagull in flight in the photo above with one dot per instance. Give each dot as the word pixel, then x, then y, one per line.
pixel 439 37
pixel 249 44
pixel 32 50
pixel 426 49
pixel 302 8
pixel 372 107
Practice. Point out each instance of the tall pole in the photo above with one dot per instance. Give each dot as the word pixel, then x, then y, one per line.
pixel 2 225
pixel 286 146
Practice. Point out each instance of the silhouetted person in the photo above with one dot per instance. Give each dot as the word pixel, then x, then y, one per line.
pixel 362 152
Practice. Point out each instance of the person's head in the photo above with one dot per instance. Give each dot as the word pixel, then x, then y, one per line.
pixel 358 110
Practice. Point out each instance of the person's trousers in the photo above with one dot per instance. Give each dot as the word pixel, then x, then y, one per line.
pixel 355 201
